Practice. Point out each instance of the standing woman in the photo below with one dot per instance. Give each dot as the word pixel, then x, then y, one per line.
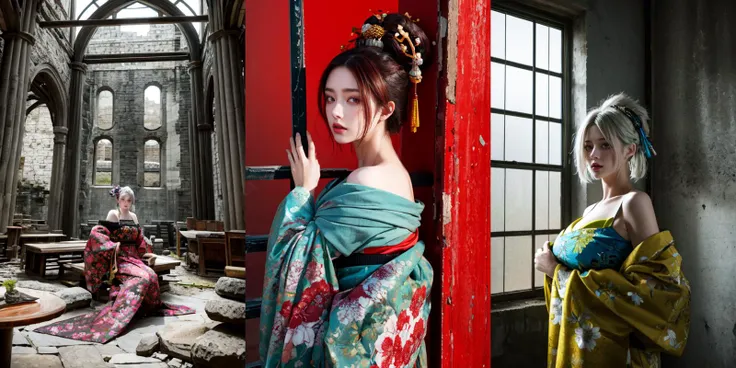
pixel 346 281
pixel 615 291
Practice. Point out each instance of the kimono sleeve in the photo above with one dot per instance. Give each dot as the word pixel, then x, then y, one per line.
pixel 144 245
pixel 292 216
pixel 98 256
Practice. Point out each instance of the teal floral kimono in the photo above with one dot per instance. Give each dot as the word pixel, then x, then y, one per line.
pixel 346 283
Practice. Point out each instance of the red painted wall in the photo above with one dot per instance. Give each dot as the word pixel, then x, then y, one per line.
pixel 327 26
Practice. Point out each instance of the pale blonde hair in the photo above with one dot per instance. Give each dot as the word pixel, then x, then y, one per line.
pixel 619 130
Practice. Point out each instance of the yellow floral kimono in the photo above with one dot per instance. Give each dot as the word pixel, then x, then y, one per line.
pixel 625 318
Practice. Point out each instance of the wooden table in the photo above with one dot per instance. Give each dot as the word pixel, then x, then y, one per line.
pixel 55 254
pixel 47 307
pixel 32 237
pixel 191 236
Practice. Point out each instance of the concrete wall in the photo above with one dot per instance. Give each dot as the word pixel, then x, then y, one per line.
pixel 608 57
pixel 694 99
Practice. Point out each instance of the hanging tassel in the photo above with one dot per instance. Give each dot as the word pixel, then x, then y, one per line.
pixel 415 111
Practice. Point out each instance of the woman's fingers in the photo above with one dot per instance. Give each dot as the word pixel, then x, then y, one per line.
pixel 312 149
pixel 300 148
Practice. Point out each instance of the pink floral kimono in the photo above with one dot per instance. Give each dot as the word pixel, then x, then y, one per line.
pixel 134 286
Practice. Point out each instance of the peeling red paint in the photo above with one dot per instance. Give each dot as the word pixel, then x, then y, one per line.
pixel 464 163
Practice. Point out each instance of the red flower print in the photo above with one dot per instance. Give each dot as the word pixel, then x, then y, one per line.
pixel 418 300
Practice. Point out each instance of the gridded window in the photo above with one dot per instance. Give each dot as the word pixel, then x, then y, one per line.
pixel 527 130
pixel 103 162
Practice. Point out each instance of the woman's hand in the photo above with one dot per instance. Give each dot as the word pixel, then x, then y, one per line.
pixel 149 258
pixel 304 170
pixel 545 261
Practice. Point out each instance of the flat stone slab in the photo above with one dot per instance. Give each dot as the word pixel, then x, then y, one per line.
pixel 147 346
pixel 131 359
pixel 23 350
pixel 48 350
pixel 75 297
pixel 81 357
pixel 19 339
pixel 39 339
pixel 35 361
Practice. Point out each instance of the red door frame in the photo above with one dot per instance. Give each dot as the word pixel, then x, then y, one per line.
pixel 464 161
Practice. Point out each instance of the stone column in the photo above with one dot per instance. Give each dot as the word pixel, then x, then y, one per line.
pixel 57 174
pixel 70 214
pixel 229 102
pixel 201 148
pixel 14 86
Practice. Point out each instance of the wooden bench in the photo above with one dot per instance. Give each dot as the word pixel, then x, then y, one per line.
pixel 163 266
pixel 42 257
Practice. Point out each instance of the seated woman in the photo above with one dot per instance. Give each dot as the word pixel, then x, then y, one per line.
pixel 115 252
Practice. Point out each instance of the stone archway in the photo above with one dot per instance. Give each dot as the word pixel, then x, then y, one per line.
pixel 201 174
pixel 47 87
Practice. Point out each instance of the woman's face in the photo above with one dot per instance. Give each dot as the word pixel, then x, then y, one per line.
pixel 125 202
pixel 344 108
pixel 600 154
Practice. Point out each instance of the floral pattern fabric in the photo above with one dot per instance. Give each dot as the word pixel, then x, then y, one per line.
pixel 134 289
pixel 314 315
pixel 620 318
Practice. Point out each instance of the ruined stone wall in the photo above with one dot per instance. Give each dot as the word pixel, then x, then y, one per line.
pixel 171 200
pixel 38 148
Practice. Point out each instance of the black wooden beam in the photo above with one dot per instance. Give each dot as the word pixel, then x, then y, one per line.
pixel 122 21
pixel 136 58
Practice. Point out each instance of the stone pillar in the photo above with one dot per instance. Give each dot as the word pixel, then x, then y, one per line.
pixel 14 84
pixel 229 102
pixel 200 151
pixel 70 217
pixel 57 174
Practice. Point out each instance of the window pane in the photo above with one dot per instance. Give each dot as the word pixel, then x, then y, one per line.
pixel 497 139
pixel 518 200
pixel 555 97
pixel 519 89
pixel 555 50
pixel 542 46
pixel 539 241
pixel 498 35
pixel 542 142
pixel 542 95
pixel 103 162
pixel 152 106
pixel 541 201
pixel 518 263
pixel 498 83
pixel 104 109
pixel 498 179
pixel 152 164
pixel 519 38
pixel 555 144
pixel 555 200
pixel 518 139
pixel 497 265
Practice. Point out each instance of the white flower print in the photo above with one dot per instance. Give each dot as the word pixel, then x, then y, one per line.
pixel 671 337
pixel 635 298
pixel 556 313
pixel 352 311
pixel 585 336
pixel 302 334
pixel 295 274
pixel 563 277
pixel 377 288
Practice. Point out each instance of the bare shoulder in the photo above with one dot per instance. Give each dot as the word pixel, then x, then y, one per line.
pixel 638 212
pixel 639 206
pixel 135 218
pixel 389 178
pixel 112 216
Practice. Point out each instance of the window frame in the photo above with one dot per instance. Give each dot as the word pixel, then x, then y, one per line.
pixel 160 163
pixel 97 109
pixel 566 27
pixel 161 103
pixel 96 142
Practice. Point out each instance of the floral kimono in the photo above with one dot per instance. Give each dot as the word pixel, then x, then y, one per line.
pixel 133 285
pixel 621 317
pixel 346 283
